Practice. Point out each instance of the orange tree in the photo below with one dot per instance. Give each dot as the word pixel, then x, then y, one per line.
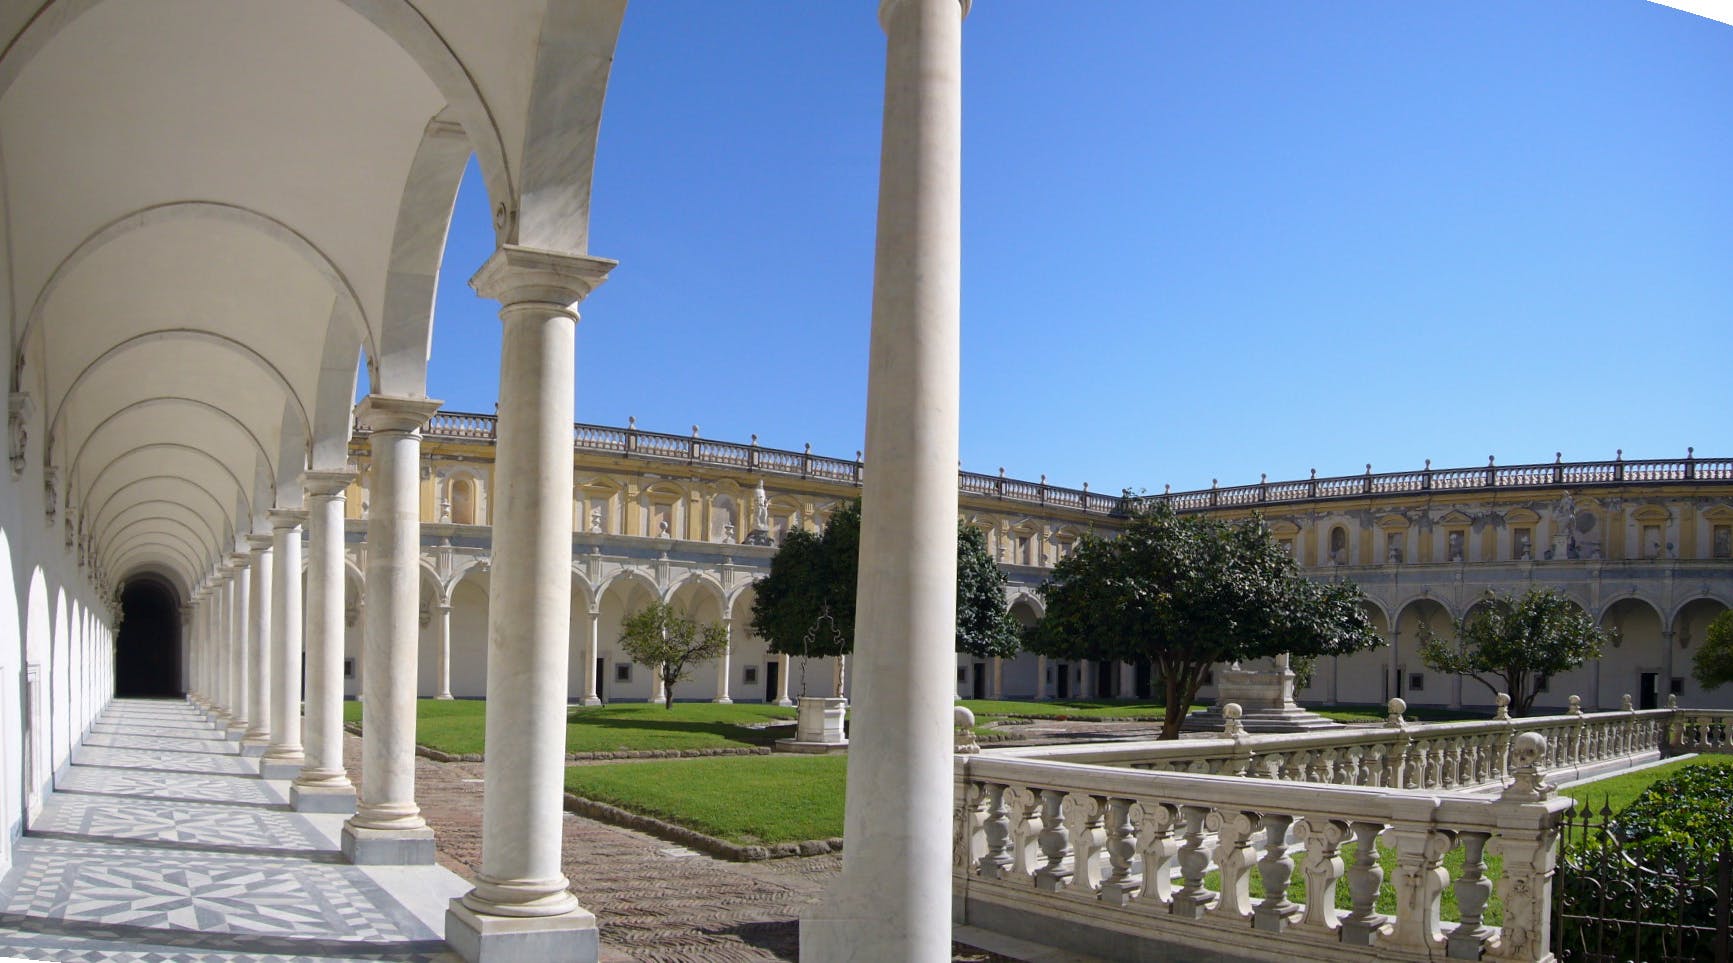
pixel 1188 591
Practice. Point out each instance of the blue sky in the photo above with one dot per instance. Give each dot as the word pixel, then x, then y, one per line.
pixel 1200 240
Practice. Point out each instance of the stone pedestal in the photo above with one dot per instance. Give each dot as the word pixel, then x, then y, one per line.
pixel 1267 698
pixel 387 847
pixel 322 799
pixel 818 727
pixel 758 536
pixel 567 938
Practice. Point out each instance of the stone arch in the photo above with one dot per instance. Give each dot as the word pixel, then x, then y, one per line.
pixel 471 607
pixel 38 724
pixel 1030 604
pixel 1339 552
pixel 1694 601
pixel 695 590
pixel 96 516
pixel 12 743
pixel 582 589
pixel 163 508
pixel 466 501
pixel 1637 648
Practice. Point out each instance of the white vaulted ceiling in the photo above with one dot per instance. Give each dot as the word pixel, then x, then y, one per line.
pixel 211 208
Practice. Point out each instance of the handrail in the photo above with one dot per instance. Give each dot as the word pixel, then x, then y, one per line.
pixel 692 449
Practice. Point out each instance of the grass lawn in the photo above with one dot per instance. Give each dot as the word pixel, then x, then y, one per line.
pixel 1617 792
pixel 1414 713
pixel 749 800
pixel 458 725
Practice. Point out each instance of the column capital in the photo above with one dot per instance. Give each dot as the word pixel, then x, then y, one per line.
pixel 526 275
pixel 324 483
pixel 239 561
pixel 396 413
pixel 286 518
pixel 887 7
pixel 259 543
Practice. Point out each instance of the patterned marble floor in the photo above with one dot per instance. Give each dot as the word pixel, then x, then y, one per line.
pixel 162 843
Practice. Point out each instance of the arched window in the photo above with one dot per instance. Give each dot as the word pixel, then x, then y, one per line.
pixel 1339 545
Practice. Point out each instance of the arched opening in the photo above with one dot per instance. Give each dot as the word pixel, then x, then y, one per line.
pixel 148 652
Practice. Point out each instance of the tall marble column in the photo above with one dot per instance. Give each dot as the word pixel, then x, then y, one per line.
pixel 591 696
pixel 219 670
pixel 323 785
pixel 442 617
pixel 239 582
pixel 521 906
pixel 193 614
pixel 387 826
pixel 258 736
pixel 722 665
pixel 893 900
pixel 787 664
pixel 283 759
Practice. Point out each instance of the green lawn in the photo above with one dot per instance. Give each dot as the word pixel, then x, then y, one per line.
pixel 457 725
pixel 1617 792
pixel 749 800
pixel 1414 713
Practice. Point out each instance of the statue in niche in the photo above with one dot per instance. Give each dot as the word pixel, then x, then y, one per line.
pixel 19 423
pixel 1455 546
pixel 760 509
pixel 596 521
pixel 1393 549
pixel 728 534
pixel 662 529
pixel 1523 549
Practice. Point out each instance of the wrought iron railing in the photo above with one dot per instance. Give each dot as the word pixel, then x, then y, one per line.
pixel 634 442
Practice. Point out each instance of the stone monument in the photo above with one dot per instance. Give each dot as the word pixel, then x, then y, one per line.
pixel 1266 700
pixel 760 532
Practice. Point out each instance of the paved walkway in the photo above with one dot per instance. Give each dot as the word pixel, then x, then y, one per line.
pixel 162 843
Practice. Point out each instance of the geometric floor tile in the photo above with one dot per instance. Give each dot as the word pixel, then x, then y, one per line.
pixel 169 785
pixel 193 824
pixel 161 761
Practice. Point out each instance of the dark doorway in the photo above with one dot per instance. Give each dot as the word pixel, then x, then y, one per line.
pixel 1649 691
pixel 1106 680
pixel 772 667
pixel 980 680
pixel 1062 679
pixel 1145 681
pixel 601 678
pixel 147 652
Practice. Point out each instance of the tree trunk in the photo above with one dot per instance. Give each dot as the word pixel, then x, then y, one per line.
pixel 668 693
pixel 1173 713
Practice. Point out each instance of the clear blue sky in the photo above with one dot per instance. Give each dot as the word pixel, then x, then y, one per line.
pixel 1200 240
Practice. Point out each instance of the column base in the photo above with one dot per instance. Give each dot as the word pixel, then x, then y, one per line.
pixel 446 696
pixel 837 930
pixel 592 701
pixel 785 702
pixel 319 799
pixel 282 766
pixel 479 938
pixel 387 847
pixel 254 747
pixel 236 733
pixel 723 701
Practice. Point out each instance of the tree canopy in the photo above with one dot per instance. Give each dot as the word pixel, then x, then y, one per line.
pixel 1517 640
pixel 1187 591
pixel 658 636
pixel 814 574
pixel 1712 666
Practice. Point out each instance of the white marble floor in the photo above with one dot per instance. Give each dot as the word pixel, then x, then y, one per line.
pixel 162 843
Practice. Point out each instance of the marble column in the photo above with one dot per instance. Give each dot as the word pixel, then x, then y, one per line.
pixel 1040 678
pixel 722 666
pixel 522 906
pixel 591 643
pixel 893 900
pixel 219 669
pixel 998 677
pixel 258 735
pixel 323 785
pixel 787 664
pixel 238 654
pixel 442 616
pixel 387 827
pixel 284 758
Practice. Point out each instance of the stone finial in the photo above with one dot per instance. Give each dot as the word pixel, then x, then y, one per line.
pixel 1526 752
pixel 1503 703
pixel 1395 707
pixel 1672 701
pixel 1576 708
pixel 1231 725
pixel 964 720
pixel 1625 703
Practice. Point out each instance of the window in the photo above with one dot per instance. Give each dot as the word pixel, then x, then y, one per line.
pixel 348 668
pixel 962 673
pixel 749 675
pixel 622 672
pixel 1454 544
pixel 1522 544
pixel 1025 554
pixel 1651 541
pixel 1676 685
pixel 1416 682
pixel 463 501
pixel 1543 682
pixel 1339 545
pixel 1723 541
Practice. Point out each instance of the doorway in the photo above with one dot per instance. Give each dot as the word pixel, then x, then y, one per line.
pixel 980 670
pixel 1062 680
pixel 601 678
pixel 147 651
pixel 1649 691
pixel 772 673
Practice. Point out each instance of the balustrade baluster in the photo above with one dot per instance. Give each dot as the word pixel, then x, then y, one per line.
pixel 1055 839
pixel 1120 886
pixel 1083 823
pixel 1322 838
pixel 997 861
pixel 1276 867
pixel 1363 924
pixel 1025 805
pixel 1233 857
pixel 1159 852
pixel 969 830
pixel 1420 879
pixel 1472 890
pixel 1192 899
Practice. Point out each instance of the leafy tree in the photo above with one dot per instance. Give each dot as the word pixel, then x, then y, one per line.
pixel 1518 641
pixel 660 637
pixel 1713 664
pixel 814 574
pixel 1188 591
